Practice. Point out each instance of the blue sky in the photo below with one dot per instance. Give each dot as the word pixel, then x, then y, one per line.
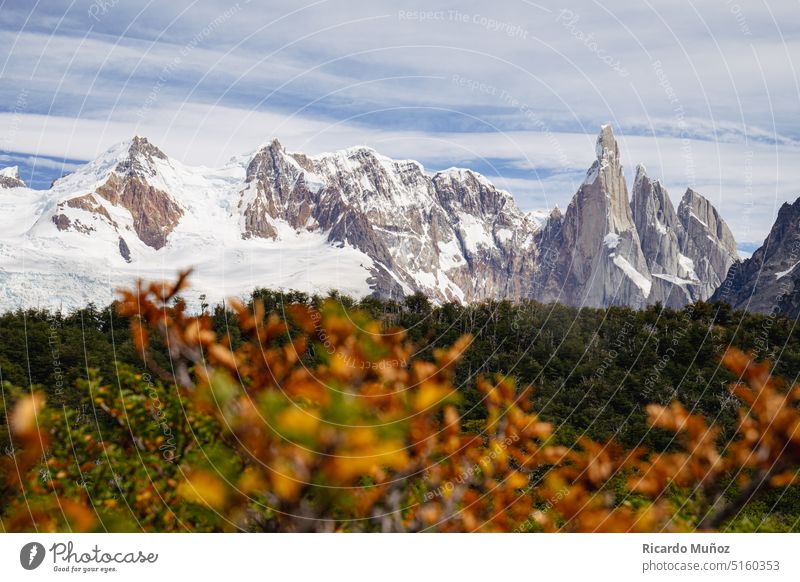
pixel 705 94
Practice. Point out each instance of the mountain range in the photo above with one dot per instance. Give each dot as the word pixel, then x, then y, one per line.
pixel 362 223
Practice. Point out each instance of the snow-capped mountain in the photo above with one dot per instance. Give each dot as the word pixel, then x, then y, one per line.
pixel 606 250
pixel 769 281
pixel 453 236
pixel 135 213
pixel 352 220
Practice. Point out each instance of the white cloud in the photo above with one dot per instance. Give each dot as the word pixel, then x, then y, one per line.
pixel 329 74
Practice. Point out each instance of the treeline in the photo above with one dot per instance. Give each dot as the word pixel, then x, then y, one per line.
pixel 593 369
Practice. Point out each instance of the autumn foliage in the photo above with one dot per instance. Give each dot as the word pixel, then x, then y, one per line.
pixel 323 420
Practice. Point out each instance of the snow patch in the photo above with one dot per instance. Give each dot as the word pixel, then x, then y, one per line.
pixel 222 268
pixel 504 235
pixel 688 265
pixel 539 218
pixel 782 274
pixel 313 182
pixel 450 256
pixel 674 279
pixel 638 279
pixel 611 240
pixel 697 218
pixel 473 232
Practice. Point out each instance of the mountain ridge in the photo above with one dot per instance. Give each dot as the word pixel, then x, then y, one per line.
pixel 352 220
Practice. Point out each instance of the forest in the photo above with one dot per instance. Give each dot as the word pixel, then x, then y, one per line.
pixel 157 419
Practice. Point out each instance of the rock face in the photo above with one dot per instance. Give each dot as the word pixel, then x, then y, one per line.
pixel 155 214
pixel 708 243
pixel 9 178
pixel 688 252
pixel 769 281
pixel 599 258
pixel 453 236
pixel 661 235
pixel 135 184
pixel 87 203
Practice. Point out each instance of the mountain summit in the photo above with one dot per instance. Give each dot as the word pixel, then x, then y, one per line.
pixel 600 260
pixel 135 184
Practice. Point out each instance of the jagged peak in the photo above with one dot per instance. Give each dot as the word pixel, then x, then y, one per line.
pixel 360 149
pixel 642 178
pixel 794 204
pixel 9 178
pixel 141 145
pixel 692 196
pixel 789 208
pixel 465 174
pixel 263 158
pixel 606 143
pixel 607 152
pixel 692 200
pixel 140 157
pixel 540 218
pixel 274 144
pixel 357 151
pixel 460 173
pixel 348 152
pixel 134 156
pixel 10 172
pixel 691 193
pixel 697 209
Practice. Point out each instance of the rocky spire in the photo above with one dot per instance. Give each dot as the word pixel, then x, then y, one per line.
pixel 661 235
pixel 707 241
pixel 600 259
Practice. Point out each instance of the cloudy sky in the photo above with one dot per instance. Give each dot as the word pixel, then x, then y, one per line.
pixel 703 93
